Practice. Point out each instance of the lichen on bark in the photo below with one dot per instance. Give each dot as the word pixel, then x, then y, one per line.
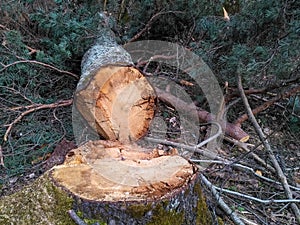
pixel 39 203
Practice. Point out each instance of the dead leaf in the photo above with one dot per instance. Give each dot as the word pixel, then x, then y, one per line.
pixel 258 172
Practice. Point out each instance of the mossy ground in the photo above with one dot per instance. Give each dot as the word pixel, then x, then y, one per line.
pixel 39 203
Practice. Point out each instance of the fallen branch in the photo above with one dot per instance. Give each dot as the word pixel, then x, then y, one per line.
pixel 230 129
pixel 193 149
pixel 220 201
pixel 203 151
pixel 1 158
pixel 243 168
pixel 282 83
pixel 266 144
pixel 38 107
pixel 276 103
pixel 41 64
pixel 76 218
pixel 263 201
pixel 249 151
pixel 267 104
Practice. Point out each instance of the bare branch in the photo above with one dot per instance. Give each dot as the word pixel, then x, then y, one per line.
pixel 220 201
pixel 267 104
pixel 229 128
pixel 1 158
pixel 39 63
pixel 266 144
pixel 38 107
pixel 242 167
pixel 263 201
pixel 249 151
pixel 76 218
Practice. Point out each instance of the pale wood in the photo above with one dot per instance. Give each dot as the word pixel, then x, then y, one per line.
pixel 122 173
pixel 118 103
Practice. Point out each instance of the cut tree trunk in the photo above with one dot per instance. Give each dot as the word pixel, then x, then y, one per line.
pixel 113 181
pixel 107 186
pixel 117 181
pixel 118 103
pixel 114 98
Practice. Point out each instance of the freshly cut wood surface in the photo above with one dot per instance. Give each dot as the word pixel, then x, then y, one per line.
pixel 118 103
pixel 122 172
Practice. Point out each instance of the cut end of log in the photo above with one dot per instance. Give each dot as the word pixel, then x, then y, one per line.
pixel 122 173
pixel 118 103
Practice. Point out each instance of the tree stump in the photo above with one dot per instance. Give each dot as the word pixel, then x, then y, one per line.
pixel 126 184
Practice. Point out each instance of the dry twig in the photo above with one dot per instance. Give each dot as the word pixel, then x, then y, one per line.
pixel 1 158
pixel 220 201
pixel 41 64
pixel 263 201
pixel 245 146
pixel 193 149
pixel 148 25
pixel 266 144
pixel 38 107
pixel 234 93
pixel 243 168
pixel 76 218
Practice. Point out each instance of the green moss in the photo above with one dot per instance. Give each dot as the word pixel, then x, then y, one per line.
pixel 139 210
pixel 163 217
pixel 220 221
pixel 203 215
pixel 90 221
pixel 39 203
pixel 160 215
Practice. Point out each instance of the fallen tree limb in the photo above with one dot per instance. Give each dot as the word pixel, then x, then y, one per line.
pixel 245 147
pixel 267 104
pixel 234 92
pixel 263 201
pixel 232 130
pixel 276 103
pixel 242 168
pixel 76 218
pixel 270 152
